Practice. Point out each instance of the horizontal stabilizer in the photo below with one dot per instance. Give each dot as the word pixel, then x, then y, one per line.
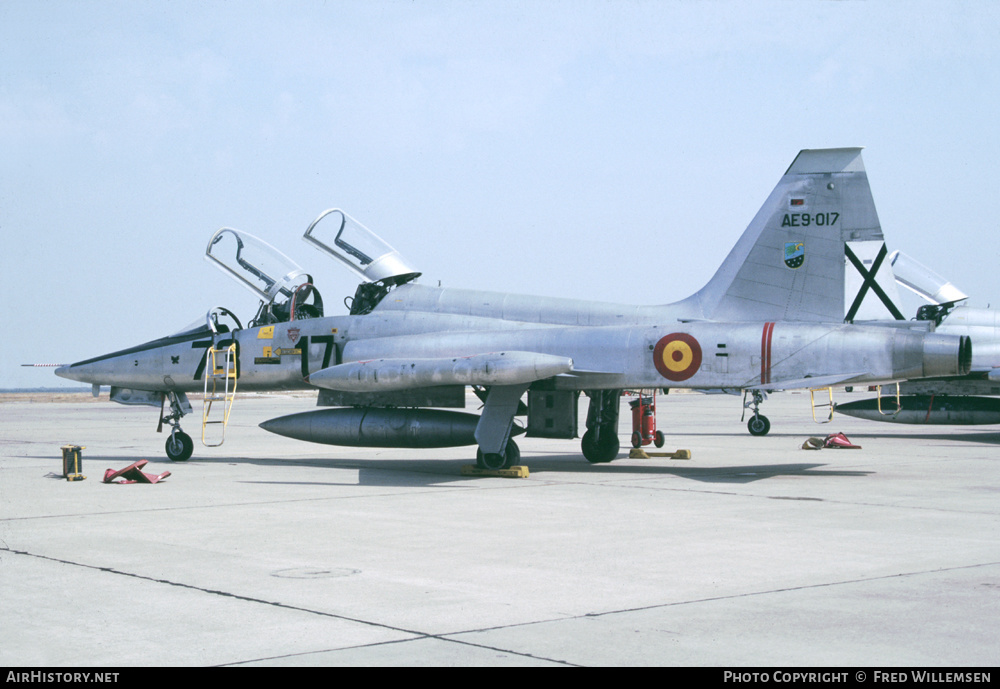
pixel 495 368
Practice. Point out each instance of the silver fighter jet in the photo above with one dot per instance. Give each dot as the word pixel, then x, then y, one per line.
pixel 771 318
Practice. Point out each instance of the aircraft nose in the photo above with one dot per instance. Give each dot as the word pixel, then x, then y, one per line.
pixel 75 372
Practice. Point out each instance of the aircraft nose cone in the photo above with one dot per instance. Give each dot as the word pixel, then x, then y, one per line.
pixel 85 372
pixel 69 372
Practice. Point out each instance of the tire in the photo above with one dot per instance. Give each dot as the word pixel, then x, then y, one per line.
pixel 758 425
pixel 658 439
pixel 636 439
pixel 179 447
pixel 497 461
pixel 600 452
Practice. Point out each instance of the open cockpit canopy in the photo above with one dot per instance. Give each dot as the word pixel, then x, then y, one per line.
pixel 282 286
pixel 359 248
pixel 255 264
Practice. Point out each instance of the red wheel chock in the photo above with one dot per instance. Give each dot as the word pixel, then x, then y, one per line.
pixel 834 440
pixel 133 474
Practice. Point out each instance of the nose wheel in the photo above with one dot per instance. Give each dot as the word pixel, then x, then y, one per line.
pixel 179 446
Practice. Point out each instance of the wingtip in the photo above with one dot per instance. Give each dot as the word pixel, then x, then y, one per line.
pixel 825 160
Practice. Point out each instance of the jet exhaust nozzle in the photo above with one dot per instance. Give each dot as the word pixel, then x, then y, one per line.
pixel 930 355
pixel 942 358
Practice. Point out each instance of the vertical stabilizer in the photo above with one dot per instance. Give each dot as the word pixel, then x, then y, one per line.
pixel 789 263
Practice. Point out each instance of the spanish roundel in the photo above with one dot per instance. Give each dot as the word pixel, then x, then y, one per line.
pixel 677 356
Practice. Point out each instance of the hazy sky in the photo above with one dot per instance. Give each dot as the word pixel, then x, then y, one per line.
pixel 601 150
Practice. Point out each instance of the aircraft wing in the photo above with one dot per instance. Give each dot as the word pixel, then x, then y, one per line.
pixel 493 368
pixel 805 383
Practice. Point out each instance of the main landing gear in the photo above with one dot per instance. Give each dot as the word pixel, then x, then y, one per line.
pixel 600 442
pixel 179 445
pixel 497 450
pixel 758 423
pixel 494 461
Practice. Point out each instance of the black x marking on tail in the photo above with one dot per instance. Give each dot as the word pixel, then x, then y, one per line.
pixel 869 278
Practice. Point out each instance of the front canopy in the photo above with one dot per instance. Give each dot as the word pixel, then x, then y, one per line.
pixel 255 264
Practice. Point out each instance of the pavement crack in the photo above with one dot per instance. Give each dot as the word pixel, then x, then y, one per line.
pixel 250 599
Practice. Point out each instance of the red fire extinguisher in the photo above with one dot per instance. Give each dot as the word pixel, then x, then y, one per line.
pixel 644 421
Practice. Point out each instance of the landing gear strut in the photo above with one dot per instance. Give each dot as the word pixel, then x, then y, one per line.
pixel 179 445
pixel 600 443
pixel 496 448
pixel 758 423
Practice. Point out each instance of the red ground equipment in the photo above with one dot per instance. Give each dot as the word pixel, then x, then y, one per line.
pixel 644 421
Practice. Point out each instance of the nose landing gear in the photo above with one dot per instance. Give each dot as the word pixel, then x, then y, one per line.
pixel 179 445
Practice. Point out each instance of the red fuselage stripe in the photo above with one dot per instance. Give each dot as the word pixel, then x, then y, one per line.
pixel 765 353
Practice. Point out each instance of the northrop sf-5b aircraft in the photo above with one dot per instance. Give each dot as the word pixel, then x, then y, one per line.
pixel 771 318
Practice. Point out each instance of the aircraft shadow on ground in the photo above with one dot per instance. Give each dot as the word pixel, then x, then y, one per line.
pixel 417 471
pixel 743 473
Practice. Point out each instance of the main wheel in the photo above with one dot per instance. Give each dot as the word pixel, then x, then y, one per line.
pixel 601 451
pixel 658 439
pixel 496 461
pixel 636 439
pixel 179 447
pixel 758 425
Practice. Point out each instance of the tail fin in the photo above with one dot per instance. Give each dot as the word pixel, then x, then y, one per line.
pixel 789 263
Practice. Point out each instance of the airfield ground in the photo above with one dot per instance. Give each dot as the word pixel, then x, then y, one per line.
pixel 268 551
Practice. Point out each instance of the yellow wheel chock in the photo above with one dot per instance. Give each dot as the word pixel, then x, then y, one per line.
pixel 639 453
pixel 511 472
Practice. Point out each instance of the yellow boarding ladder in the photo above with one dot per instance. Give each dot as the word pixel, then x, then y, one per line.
pixel 221 371
pixel 830 405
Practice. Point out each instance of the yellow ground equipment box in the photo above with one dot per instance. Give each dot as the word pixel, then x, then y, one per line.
pixel 73 462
